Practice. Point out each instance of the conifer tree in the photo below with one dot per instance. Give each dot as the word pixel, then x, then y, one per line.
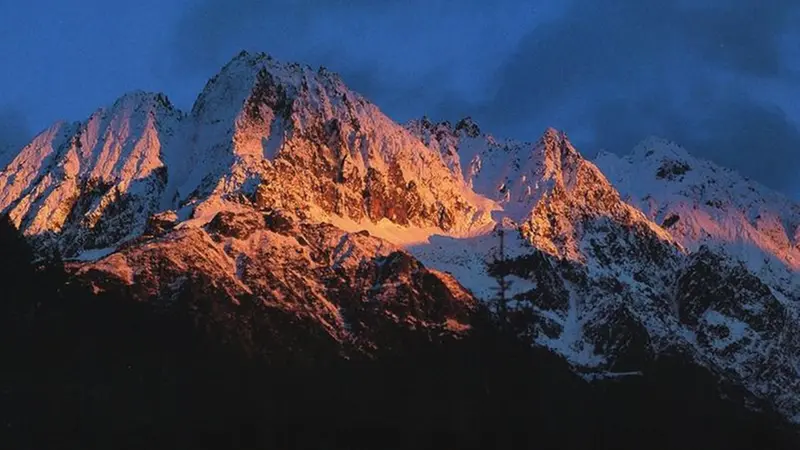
pixel 498 270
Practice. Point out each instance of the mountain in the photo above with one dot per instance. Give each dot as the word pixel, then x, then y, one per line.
pixel 296 215
pixel 739 287
pixel 606 282
pixel 92 184
pixel 261 133
pixel 701 203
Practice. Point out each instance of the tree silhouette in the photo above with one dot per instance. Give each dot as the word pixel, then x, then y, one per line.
pixel 100 370
pixel 499 269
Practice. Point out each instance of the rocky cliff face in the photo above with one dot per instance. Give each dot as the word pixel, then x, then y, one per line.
pixel 285 136
pixel 736 322
pixel 283 199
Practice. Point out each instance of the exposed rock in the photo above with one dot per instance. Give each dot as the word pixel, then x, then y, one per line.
pixel 237 225
pixel 672 170
pixel 160 223
pixel 345 289
pixel 468 127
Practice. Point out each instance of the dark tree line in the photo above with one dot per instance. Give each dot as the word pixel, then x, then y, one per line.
pixel 82 370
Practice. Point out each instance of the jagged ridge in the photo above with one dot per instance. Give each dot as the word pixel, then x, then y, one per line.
pixel 263 190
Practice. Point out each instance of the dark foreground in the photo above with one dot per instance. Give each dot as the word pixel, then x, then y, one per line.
pixel 87 371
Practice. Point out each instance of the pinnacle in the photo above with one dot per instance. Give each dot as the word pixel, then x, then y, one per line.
pixel 138 97
pixel 661 146
pixel 468 126
pixel 551 132
pixel 555 142
pixel 246 55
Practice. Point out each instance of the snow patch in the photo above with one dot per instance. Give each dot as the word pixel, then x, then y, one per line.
pixel 94 254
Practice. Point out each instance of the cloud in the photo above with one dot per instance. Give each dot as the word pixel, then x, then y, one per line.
pixel 640 43
pixel 406 56
pixel 758 139
pixel 14 131
pixel 691 71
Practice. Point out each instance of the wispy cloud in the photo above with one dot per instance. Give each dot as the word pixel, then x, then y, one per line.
pixel 14 131
pixel 405 55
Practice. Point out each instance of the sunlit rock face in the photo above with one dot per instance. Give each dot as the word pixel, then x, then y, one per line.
pixel 92 184
pixel 257 273
pixel 286 136
pixel 291 210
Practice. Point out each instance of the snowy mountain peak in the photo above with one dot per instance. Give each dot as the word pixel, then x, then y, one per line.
pixel 67 179
pixel 552 135
pixel 468 127
pixel 251 78
pixel 143 99
pixel 557 153
pixel 514 174
pixel 657 147
pixel 443 132
pixel 276 134
pixel 569 197
pixel 703 203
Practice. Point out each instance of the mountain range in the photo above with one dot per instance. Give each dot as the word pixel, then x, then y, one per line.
pixel 286 198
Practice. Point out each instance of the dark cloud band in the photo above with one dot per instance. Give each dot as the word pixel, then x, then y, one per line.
pixel 14 132
pixel 613 71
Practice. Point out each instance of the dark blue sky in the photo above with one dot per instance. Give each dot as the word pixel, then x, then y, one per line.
pixel 721 77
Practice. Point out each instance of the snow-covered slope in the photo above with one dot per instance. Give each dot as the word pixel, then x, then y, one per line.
pixel 505 171
pixel 701 203
pixel 605 285
pixel 284 194
pixel 581 257
pixel 735 323
pixel 741 280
